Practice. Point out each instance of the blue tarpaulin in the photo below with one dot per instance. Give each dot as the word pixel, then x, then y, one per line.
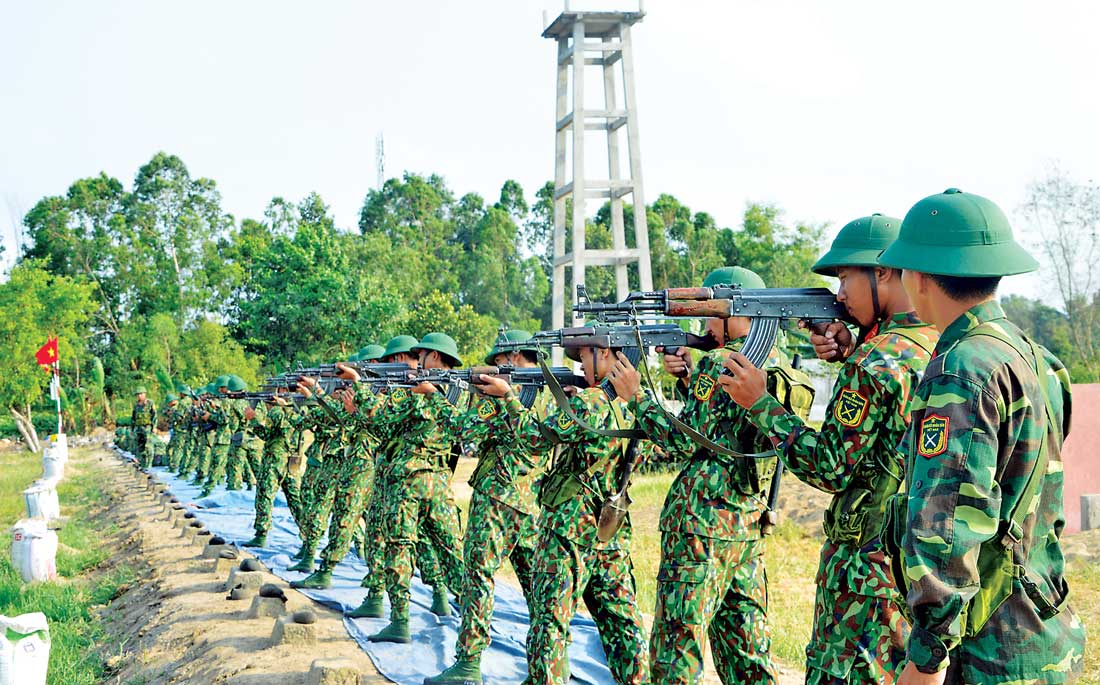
pixel 230 514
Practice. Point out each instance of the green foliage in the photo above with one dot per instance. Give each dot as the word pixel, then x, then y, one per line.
pixel 1053 330
pixel 35 304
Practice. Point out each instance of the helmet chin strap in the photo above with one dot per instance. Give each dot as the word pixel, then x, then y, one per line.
pixel 880 316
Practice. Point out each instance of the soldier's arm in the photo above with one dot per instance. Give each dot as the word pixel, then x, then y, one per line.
pixel 953 507
pixel 858 412
pixel 649 418
pixel 541 435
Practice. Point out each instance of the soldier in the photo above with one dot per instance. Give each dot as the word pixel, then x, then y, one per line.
pixel 178 421
pixel 503 511
pixel 712 581
pixel 398 349
pixel 272 425
pixel 571 562
pixel 221 415
pixel 142 419
pixel 982 566
pixel 237 466
pixel 421 504
pixel 858 633
pixel 323 459
pixel 171 411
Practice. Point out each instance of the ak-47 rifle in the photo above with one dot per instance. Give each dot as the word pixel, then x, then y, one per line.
pixel 768 308
pixel 527 381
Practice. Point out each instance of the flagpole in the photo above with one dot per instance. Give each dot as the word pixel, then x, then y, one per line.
pixel 57 392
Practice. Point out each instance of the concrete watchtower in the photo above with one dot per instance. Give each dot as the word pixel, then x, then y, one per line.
pixel 598 40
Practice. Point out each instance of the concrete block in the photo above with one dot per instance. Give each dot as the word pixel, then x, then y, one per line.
pixel 250 580
pixel 333 672
pixel 1090 512
pixel 266 606
pixel 219 567
pixel 201 537
pixel 287 632
pixel 212 551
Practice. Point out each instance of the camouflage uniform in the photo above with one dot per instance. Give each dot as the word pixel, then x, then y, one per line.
pixel 570 562
pixel 502 517
pixel 143 418
pixel 236 465
pixel 178 420
pixel 325 460
pixel 858 633
pixel 279 437
pixel 420 505
pixel 223 416
pixel 712 582
pixel 977 426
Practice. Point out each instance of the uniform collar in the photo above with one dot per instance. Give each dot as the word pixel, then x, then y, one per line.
pixel 900 320
pixel 969 320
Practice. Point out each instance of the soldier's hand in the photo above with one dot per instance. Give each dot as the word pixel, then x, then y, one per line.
pixel 678 364
pixel 424 388
pixel 745 383
pixel 624 377
pixel 279 400
pixel 306 381
pixel 249 413
pixel 347 373
pixel 492 385
pixel 911 675
pixel 303 390
pixel 832 342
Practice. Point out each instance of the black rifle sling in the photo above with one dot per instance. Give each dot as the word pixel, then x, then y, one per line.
pixel 566 408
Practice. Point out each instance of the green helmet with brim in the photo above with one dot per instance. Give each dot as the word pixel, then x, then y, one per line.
pixel 371 353
pixel 512 336
pixel 441 343
pixel 957 234
pixel 402 344
pixel 859 243
pixel 732 276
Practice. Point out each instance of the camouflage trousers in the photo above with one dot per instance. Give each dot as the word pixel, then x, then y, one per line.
pixel 204 456
pixel 275 474
pixel 143 447
pixel 563 574
pixel 494 531
pixel 243 463
pixel 187 452
pixel 316 497
pixel 375 544
pixel 219 457
pixel 421 506
pixel 175 449
pixel 354 477
pixel 856 638
pixel 713 588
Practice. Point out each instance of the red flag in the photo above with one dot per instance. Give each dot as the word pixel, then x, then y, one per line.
pixel 47 354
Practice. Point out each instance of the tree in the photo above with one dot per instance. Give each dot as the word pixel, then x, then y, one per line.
pixel 1066 216
pixel 34 305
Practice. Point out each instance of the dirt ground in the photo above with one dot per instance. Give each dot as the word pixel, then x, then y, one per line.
pixel 178 627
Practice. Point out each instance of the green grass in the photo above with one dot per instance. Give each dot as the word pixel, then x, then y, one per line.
pixel 85 583
pixel 1084 583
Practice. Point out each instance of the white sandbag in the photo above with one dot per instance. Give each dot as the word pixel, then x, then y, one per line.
pixel 24 649
pixel 41 500
pixel 34 550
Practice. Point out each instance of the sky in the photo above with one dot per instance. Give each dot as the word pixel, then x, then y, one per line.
pixel 831 110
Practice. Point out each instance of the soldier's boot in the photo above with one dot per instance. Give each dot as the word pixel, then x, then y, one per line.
pixel 259 541
pixel 440 605
pixel 207 490
pixel 318 580
pixel 396 631
pixel 464 672
pixel 305 565
pixel 370 608
pixel 300 553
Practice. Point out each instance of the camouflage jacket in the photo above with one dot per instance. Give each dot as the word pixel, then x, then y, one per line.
pixel 585 471
pixel 713 496
pixel 505 471
pixel 221 416
pixel 977 424
pixel 272 425
pixel 425 426
pixel 144 414
pixel 854 453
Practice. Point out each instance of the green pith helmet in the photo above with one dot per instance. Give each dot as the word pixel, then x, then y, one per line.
pixel 957 234
pixel 182 388
pixel 140 390
pixel 859 243
pixel 237 384
pixel 353 357
pixel 399 344
pixel 734 275
pixel 221 382
pixel 514 335
pixel 371 353
pixel 171 397
pixel 441 343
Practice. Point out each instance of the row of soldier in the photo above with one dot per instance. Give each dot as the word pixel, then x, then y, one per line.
pixel 940 446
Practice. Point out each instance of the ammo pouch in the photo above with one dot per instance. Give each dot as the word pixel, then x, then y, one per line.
pixel 557 488
pixel 894 521
pixel 854 516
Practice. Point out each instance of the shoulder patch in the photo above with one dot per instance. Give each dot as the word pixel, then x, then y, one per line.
pixel 399 394
pixel 486 409
pixel 850 408
pixel 933 435
pixel 704 386
pixel 564 422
